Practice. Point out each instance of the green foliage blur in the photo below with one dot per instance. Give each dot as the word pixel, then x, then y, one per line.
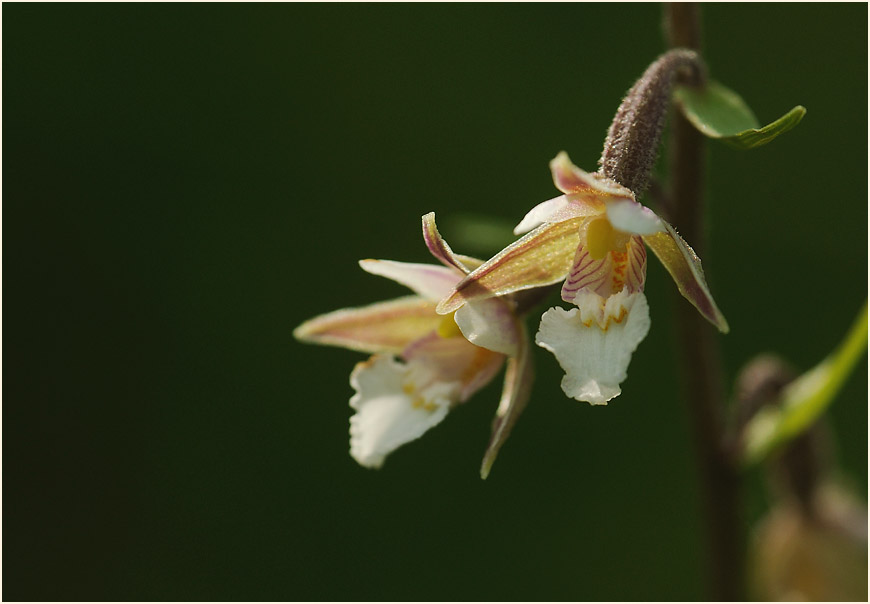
pixel 184 184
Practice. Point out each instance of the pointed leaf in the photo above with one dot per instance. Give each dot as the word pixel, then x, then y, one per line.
pixel 720 113
pixel 805 399
pixel 541 257
pixel 756 137
pixel 382 327
pixel 515 395
pixel 684 266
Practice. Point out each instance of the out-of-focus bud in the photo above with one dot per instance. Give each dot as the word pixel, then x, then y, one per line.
pixel 812 545
pixel 818 557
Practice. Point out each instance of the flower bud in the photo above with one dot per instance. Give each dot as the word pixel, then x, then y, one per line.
pixel 633 139
pixel 820 558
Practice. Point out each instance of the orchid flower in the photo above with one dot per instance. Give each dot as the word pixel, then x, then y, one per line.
pixel 423 363
pixel 592 237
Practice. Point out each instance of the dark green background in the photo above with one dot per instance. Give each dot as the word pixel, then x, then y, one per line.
pixel 184 184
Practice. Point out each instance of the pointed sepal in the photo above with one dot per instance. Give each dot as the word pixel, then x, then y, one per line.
pixel 542 257
pixel 592 187
pixel 382 327
pixel 441 251
pixel 430 281
pixel 683 264
pixel 515 395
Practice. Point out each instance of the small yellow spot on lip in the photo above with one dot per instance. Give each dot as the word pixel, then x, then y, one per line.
pixel 448 328
pixel 408 388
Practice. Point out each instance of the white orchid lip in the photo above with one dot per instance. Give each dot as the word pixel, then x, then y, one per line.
pixel 392 408
pixel 594 342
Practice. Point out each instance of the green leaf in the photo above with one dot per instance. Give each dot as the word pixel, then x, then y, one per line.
pixel 805 399
pixel 718 112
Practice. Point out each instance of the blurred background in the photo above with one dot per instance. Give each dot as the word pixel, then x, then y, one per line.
pixel 184 184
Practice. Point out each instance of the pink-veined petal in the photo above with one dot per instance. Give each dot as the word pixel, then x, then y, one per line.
pixel 608 275
pixel 568 178
pixel 382 327
pixel 489 323
pixel 556 210
pixel 517 389
pixel 587 273
pixel 684 266
pixel 635 270
pixel 541 257
pixel 631 217
pixel 439 248
pixel 428 280
pixel 455 359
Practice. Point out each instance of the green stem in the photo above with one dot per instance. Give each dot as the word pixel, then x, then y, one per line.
pixel 719 477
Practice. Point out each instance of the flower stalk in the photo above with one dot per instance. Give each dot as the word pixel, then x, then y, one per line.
pixel 700 354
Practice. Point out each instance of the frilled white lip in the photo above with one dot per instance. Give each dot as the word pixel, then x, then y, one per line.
pixel 594 342
pixel 390 409
pixel 425 363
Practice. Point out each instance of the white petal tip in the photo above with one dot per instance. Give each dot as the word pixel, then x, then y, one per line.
pixel 591 392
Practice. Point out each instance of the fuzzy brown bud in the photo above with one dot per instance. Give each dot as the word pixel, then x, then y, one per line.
pixel 632 142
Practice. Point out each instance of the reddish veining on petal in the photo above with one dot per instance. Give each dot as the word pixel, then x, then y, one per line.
pixel 636 274
pixel 629 267
pixel 587 274
pixel 619 269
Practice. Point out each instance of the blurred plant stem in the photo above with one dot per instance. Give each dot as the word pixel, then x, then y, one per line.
pixel 700 354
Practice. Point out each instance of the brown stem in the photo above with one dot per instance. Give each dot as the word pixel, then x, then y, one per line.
pixel 704 384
